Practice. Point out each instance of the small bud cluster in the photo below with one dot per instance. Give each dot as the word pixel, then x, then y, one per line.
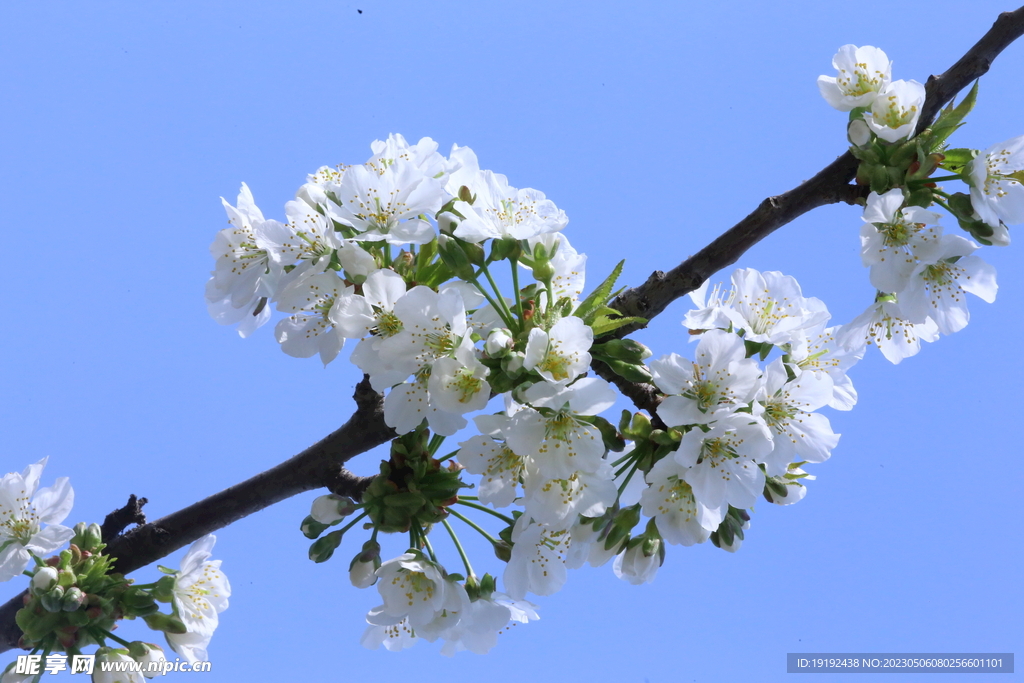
pixel 76 598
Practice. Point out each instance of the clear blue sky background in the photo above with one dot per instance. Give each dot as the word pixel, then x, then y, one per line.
pixel 655 126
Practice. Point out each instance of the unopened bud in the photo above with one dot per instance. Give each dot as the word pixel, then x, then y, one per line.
pixel 322 549
pixel 44 579
pixel 858 133
pixel 73 599
pixel 499 343
pixel 331 508
pixel 53 599
pixel 166 623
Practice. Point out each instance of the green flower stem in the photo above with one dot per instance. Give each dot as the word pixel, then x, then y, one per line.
pixel 629 476
pixel 353 523
pixel 473 524
pixel 458 546
pixel 387 254
pixel 501 300
pixel 475 506
pixel 449 456
pixel 627 456
pixel 944 177
pixel 622 469
pixel 943 204
pixel 515 286
pixel 430 549
pixel 107 634
pixel 491 301
pixel 435 442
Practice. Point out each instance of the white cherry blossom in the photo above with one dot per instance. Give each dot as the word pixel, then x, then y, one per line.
pixel 681 519
pixel 245 275
pixel 557 441
pixel 721 378
pixel 498 465
pixel 414 589
pixel 885 325
pixel 894 241
pixel 895 110
pixel 481 622
pixel 768 306
pixel 394 637
pixel 798 433
pixel 819 352
pixel 385 202
pixel 560 354
pixel 556 503
pixel 423 155
pixel 936 290
pixel 722 462
pixel 409 403
pixel 862 72
pixel 504 211
pixel 309 330
pixel 24 508
pixel 996 191
pixel 537 564
pixel 201 590
pixel 457 384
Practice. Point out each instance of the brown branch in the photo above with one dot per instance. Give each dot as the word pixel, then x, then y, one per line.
pixel 320 465
pixel 830 186
pixel 117 520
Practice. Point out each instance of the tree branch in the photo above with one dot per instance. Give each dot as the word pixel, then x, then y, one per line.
pixel 320 465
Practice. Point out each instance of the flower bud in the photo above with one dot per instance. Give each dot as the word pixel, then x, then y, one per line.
pixel 322 549
pixel 43 580
pixel 164 589
pixel 331 508
pixel 166 623
pixel 858 133
pixel 361 571
pixel 311 528
pixel 53 599
pixel 73 599
pixel 503 551
pixel 499 343
pixel 363 574
pixel 150 656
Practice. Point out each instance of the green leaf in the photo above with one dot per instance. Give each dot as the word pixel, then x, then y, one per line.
pixel 957 158
pixel 630 371
pixel 599 297
pixel 952 118
pixel 603 321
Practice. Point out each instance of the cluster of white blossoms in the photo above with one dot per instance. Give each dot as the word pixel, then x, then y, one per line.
pixel 398 254
pixel 921 275
pixel 76 597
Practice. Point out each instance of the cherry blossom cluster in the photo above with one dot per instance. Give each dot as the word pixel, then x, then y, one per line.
pixel 921 275
pixel 76 597
pixel 400 254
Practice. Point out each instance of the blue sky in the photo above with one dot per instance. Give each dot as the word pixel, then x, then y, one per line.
pixel 655 126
